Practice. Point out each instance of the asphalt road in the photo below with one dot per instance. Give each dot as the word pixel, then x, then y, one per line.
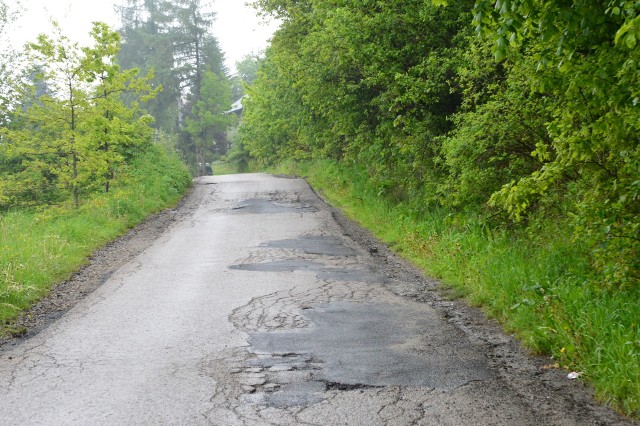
pixel 262 305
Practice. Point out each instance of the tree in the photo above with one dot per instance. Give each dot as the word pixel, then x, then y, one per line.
pixel 582 56
pixel 196 50
pixel 208 122
pixel 372 82
pixel 9 59
pixel 173 38
pixel 117 129
pixel 72 138
pixel 147 44
pixel 247 72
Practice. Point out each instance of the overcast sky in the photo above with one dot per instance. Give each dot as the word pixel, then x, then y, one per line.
pixel 237 28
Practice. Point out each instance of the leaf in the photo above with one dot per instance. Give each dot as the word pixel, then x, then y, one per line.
pixel 630 40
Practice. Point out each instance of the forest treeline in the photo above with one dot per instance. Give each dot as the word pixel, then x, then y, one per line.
pixel 513 109
pixel 174 39
pixel 68 130
pixel 72 116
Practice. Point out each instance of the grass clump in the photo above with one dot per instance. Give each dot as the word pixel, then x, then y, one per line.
pixel 534 279
pixel 40 247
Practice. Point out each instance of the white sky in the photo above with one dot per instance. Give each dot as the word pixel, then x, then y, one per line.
pixel 238 29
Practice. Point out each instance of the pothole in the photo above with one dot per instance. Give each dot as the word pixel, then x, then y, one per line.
pixel 347 386
pixel 322 272
pixel 279 266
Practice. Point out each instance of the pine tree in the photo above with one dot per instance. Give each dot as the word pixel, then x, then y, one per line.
pixel 174 39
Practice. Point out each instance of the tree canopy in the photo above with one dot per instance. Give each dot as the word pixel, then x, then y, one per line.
pixel 514 109
pixel 71 130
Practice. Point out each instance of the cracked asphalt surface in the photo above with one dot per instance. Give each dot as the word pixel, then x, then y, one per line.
pixel 256 303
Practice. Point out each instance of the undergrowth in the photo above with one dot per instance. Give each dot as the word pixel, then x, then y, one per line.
pixel 534 280
pixel 224 168
pixel 41 247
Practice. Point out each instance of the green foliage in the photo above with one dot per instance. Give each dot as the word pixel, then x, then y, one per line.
pixel 10 70
pixel 208 122
pixel 348 85
pixel 72 138
pixel 496 130
pixel 405 89
pixel 594 87
pixel 147 46
pixel 238 156
pixel 41 247
pixel 174 40
pixel 515 113
pixel 247 69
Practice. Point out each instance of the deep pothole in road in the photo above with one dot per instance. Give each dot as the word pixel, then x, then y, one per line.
pixel 354 346
pixel 288 380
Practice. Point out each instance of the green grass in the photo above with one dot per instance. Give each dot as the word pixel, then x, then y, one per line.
pixel 223 168
pixel 42 247
pixel 535 281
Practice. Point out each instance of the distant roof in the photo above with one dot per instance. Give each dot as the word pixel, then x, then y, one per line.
pixel 236 106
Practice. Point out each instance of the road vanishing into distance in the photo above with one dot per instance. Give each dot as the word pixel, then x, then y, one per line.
pixel 262 305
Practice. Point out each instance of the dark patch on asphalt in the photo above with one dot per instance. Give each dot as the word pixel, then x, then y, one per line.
pixel 279 266
pixel 361 345
pixel 289 381
pixel 262 206
pixel 322 272
pixel 347 387
pixel 282 362
pixel 314 244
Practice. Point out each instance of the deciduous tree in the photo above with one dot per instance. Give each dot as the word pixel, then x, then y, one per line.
pixel 71 138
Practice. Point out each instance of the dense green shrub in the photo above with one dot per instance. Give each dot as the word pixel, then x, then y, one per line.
pixel 406 89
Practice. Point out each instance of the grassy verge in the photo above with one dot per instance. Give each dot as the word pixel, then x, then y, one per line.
pixel 223 168
pixel 535 281
pixel 40 248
